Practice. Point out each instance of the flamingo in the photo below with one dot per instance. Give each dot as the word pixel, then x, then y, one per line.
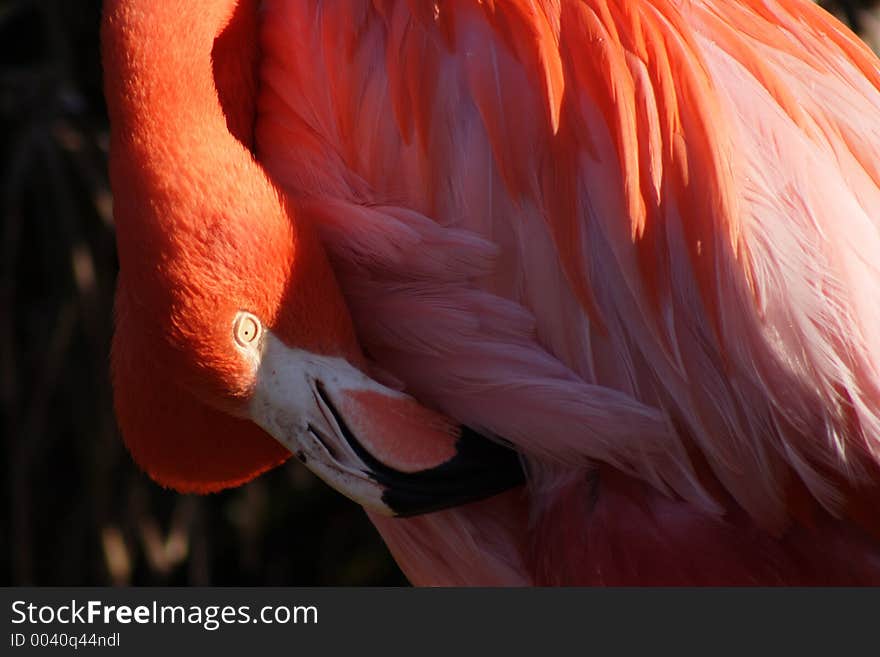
pixel 560 291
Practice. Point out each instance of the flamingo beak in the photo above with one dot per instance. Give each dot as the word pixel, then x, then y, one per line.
pixel 375 445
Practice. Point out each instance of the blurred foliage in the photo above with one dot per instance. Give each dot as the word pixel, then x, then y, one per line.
pixel 75 509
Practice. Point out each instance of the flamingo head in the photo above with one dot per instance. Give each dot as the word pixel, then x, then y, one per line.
pixel 233 345
pixel 234 348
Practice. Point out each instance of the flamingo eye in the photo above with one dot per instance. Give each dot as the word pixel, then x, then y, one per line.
pixel 246 329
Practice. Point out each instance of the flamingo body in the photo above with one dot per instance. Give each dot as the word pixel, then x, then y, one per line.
pixel 637 240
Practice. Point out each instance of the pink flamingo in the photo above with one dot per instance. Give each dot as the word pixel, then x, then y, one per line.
pixel 624 251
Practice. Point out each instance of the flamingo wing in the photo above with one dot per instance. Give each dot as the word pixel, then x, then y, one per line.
pixel 639 233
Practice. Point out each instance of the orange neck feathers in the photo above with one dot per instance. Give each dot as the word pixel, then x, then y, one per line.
pixel 202 233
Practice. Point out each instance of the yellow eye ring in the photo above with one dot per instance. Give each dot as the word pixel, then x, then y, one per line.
pixel 246 329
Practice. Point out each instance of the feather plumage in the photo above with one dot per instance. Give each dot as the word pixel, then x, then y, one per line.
pixel 641 233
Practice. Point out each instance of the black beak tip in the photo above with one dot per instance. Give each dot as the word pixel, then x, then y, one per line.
pixel 480 469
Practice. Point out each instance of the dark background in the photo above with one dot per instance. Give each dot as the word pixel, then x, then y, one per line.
pixel 73 508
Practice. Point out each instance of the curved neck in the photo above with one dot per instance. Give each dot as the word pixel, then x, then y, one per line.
pixel 180 88
pixel 202 232
pixel 158 71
